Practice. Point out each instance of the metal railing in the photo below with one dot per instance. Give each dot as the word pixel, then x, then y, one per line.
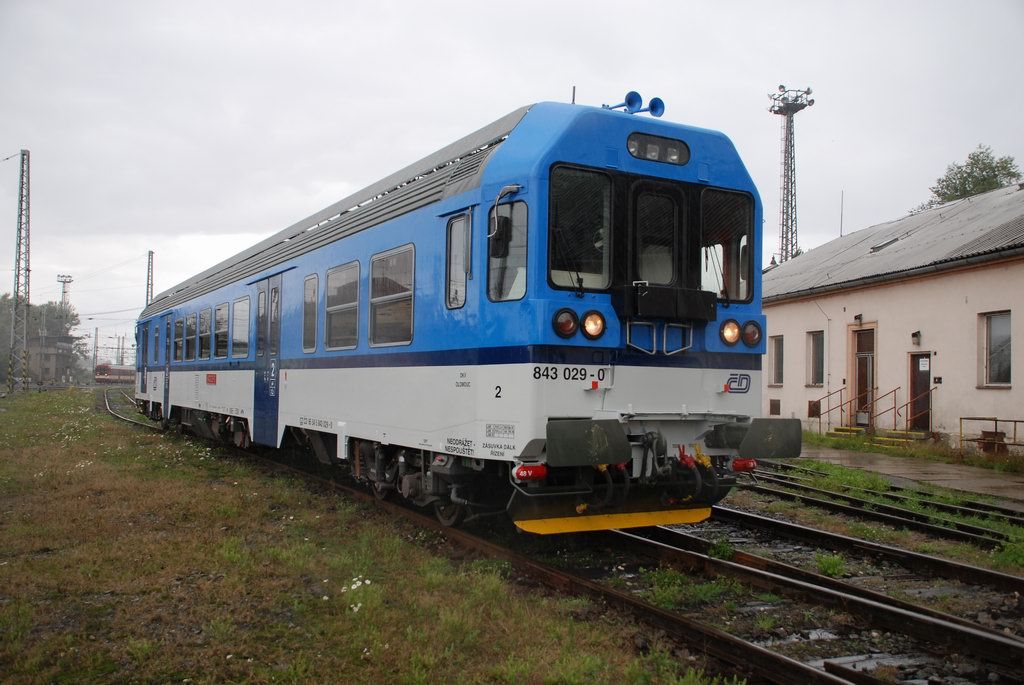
pixel 830 409
pixel 909 405
pixel 876 402
pixel 846 408
pixel 993 441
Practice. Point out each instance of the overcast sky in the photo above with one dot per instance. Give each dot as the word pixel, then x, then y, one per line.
pixel 195 128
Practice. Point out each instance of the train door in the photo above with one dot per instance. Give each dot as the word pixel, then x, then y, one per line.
pixel 142 356
pixel 864 374
pixel 921 399
pixel 165 407
pixel 268 366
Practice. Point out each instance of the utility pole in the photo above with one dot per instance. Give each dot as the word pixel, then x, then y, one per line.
pixel 65 304
pixel 95 347
pixel 17 367
pixel 149 279
pixel 787 103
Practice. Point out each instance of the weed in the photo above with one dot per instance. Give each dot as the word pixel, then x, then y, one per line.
pixel 721 548
pixel 765 621
pixel 768 598
pixel 831 565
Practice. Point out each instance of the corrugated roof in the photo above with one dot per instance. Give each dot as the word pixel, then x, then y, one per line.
pixel 988 224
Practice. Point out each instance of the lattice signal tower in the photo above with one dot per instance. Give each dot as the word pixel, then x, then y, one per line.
pixel 17 368
pixel 786 103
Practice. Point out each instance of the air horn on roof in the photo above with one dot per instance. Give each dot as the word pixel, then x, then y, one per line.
pixel 634 104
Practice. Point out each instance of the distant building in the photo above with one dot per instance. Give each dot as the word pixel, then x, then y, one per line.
pixel 909 323
pixel 51 359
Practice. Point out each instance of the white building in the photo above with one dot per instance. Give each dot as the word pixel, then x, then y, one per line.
pixel 906 324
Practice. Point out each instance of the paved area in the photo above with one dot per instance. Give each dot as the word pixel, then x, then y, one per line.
pixel 956 476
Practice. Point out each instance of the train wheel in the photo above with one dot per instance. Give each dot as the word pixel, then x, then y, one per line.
pixel 449 513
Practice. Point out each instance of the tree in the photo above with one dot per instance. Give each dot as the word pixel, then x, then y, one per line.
pixel 980 173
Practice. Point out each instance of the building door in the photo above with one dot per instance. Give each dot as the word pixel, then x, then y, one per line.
pixel 864 375
pixel 268 360
pixel 921 400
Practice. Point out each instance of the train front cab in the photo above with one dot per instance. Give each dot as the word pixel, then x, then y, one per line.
pixel 653 300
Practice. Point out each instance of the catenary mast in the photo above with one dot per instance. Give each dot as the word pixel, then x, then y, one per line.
pixel 17 368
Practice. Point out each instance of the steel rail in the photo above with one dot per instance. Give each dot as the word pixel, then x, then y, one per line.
pixel 974 504
pixel 1017 520
pixel 988 541
pixel 993 647
pixel 942 568
pixel 691 543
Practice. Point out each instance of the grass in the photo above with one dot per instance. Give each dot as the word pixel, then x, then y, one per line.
pixel 941 452
pixel 672 589
pixel 859 483
pixel 138 557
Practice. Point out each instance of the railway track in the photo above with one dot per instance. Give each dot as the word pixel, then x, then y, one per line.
pixel 927 518
pixel 744 655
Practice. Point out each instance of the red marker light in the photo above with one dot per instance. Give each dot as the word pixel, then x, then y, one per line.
pixel 744 465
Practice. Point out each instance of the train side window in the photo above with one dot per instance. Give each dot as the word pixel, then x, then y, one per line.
pixel 506 253
pixel 310 287
pixel 392 281
pixel 458 271
pixel 342 302
pixel 261 323
pixel 190 337
pixel 240 328
pixel 205 330
pixel 220 331
pixel 156 343
pixel 179 338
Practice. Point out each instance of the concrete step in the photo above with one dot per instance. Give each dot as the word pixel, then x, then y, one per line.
pixel 904 435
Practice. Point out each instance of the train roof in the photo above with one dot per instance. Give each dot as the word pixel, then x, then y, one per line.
pixel 449 171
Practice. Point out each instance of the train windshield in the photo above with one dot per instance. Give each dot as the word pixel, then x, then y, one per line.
pixel 611 230
pixel 727 224
pixel 581 219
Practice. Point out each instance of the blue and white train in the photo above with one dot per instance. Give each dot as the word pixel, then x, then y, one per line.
pixel 558 316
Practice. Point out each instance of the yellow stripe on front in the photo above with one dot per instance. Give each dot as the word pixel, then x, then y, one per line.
pixel 579 524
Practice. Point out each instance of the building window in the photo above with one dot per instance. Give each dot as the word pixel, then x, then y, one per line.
pixel 204 333
pixel 997 348
pixel 506 253
pixel 342 329
pixel 179 336
pixel 816 358
pixel 392 277
pixel 240 328
pixel 220 331
pixel 458 261
pixel 309 311
pixel 775 359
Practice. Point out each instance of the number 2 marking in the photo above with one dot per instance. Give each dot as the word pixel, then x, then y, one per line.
pixel 497 391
